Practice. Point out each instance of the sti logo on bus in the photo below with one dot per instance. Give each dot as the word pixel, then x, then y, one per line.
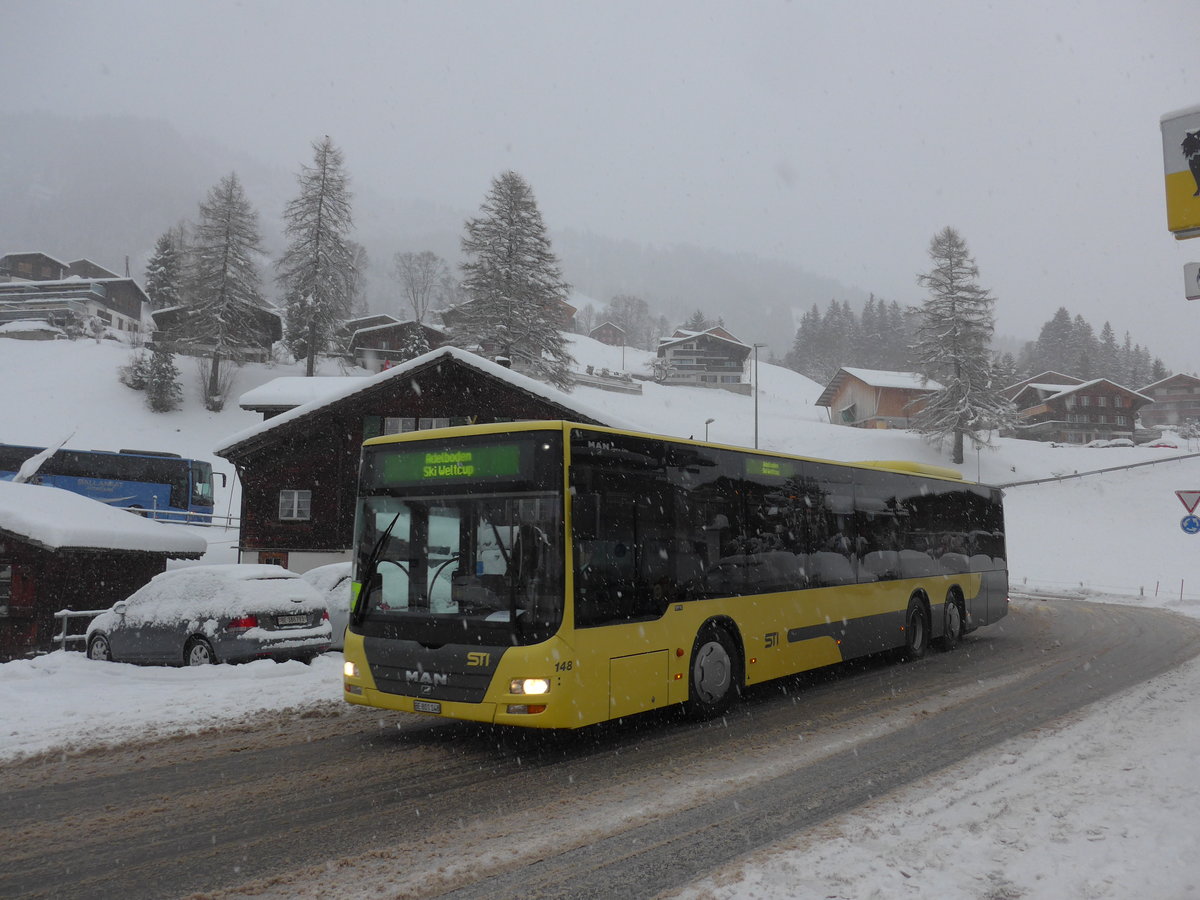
pixel 434 679
pixel 479 659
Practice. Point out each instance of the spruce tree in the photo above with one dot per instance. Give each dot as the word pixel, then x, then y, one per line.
pixel 514 287
pixel 953 349
pixel 316 271
pixel 223 284
pixel 164 273
pixel 163 392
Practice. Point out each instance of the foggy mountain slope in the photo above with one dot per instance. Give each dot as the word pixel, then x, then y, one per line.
pixel 106 187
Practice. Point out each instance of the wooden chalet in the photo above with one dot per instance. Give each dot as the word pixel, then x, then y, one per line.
pixel 712 358
pixel 59 550
pixel 518 353
pixel 32 266
pixel 875 398
pixel 268 329
pixel 381 346
pixel 608 333
pixel 1175 400
pixel 1076 414
pixel 299 470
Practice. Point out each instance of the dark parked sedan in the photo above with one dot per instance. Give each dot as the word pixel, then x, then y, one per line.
pixel 209 614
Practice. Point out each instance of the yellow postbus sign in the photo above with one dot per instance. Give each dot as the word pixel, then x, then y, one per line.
pixel 1181 164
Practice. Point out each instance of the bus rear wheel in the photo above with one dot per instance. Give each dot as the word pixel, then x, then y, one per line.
pixel 952 622
pixel 714 674
pixel 916 630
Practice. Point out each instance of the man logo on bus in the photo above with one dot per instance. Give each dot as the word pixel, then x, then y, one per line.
pixel 436 679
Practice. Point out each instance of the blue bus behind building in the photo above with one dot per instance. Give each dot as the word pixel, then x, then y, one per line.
pixel 163 486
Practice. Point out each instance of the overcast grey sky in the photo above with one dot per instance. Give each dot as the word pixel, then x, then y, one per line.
pixel 839 136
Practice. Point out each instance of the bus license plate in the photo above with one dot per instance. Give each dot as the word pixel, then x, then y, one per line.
pixel 427 706
pixel 291 620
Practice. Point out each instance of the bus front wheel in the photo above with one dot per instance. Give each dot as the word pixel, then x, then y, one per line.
pixel 713 674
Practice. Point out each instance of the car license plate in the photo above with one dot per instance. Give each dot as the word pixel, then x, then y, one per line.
pixel 291 620
pixel 427 706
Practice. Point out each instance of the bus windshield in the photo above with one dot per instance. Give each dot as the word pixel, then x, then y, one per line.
pixel 464 550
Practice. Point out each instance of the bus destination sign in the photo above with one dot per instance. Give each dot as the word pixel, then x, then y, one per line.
pixel 407 467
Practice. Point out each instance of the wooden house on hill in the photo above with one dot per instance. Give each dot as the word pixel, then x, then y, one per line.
pixel 875 398
pixel 608 333
pixel 1076 414
pixel 383 345
pixel 1175 400
pixel 712 358
pixel 299 469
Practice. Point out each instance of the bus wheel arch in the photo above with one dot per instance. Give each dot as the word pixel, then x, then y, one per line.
pixel 715 669
pixel 916 626
pixel 953 620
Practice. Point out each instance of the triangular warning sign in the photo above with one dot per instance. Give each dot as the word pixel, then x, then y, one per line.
pixel 1189 499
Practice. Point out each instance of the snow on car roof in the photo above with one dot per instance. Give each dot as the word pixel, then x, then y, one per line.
pixel 58 519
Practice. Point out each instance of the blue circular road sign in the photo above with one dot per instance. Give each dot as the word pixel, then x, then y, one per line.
pixel 1190 524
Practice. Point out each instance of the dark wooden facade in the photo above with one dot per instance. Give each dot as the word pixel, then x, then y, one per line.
pixel 608 333
pixel 1176 401
pixel 316 448
pixel 379 346
pixel 42 581
pixel 1076 414
pixel 32 267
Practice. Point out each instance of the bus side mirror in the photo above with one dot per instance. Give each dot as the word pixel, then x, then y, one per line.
pixel 119 608
pixel 224 483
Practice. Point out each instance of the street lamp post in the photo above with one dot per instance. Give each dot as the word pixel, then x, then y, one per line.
pixel 707 422
pixel 756 346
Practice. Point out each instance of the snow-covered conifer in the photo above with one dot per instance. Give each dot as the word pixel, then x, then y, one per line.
pixel 164 273
pixel 223 283
pixel 163 392
pixel 516 293
pixel 952 348
pixel 317 270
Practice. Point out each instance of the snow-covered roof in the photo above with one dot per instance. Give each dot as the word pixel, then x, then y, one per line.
pixel 393 324
pixel 1057 391
pixel 884 378
pixel 27 325
pixel 294 390
pixel 357 384
pixel 1182 376
pixel 876 378
pixel 692 335
pixel 58 519
pixel 33 253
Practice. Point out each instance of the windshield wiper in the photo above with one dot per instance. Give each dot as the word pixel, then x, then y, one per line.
pixel 360 608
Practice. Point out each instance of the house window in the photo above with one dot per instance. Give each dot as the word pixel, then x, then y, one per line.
pixel 1122 420
pixel 295 506
pixel 1086 400
pixel 399 425
pixel 1118 402
pixel 5 587
pixel 1102 400
pixel 273 558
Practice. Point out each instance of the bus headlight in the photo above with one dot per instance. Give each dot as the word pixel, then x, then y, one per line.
pixel 349 669
pixel 529 686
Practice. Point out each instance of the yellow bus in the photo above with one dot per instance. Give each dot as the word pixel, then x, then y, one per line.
pixel 556 575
